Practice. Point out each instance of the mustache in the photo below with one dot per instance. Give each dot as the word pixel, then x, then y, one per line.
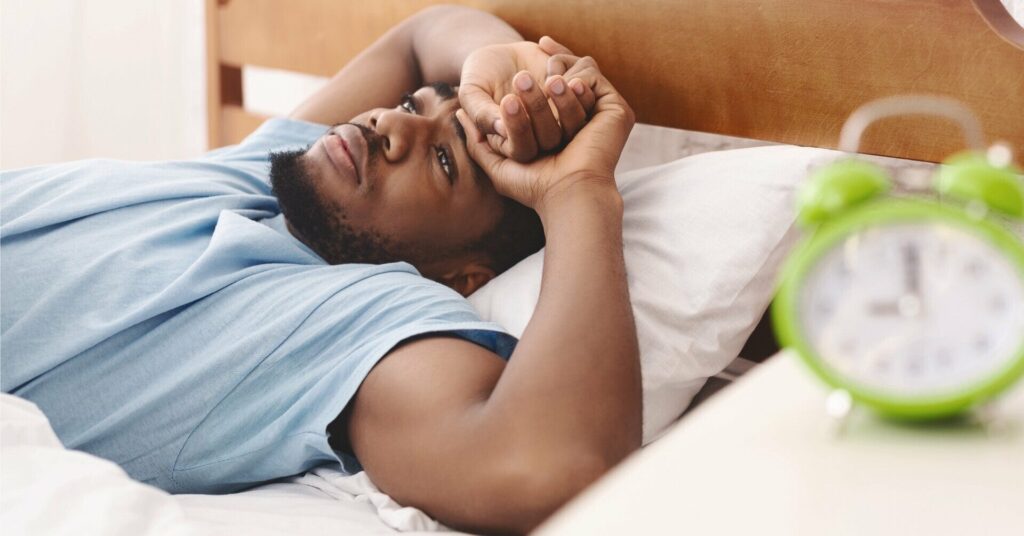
pixel 374 141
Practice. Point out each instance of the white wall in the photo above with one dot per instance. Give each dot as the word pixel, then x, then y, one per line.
pixel 115 78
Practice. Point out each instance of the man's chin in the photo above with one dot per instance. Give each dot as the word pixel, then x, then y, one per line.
pixel 316 222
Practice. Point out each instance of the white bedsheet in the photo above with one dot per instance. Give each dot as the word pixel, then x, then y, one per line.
pixel 46 489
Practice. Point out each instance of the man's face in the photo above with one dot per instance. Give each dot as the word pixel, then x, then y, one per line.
pixel 393 184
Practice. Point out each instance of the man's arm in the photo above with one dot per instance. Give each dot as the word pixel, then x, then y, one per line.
pixel 444 425
pixel 430 46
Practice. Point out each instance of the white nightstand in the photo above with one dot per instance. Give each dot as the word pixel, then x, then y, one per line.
pixel 762 457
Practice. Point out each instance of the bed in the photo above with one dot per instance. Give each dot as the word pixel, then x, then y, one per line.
pixel 812 62
pixel 702 76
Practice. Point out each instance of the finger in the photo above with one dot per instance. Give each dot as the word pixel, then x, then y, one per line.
pixel 552 47
pixel 583 77
pixel 560 63
pixel 501 170
pixel 521 144
pixel 584 67
pixel 612 118
pixel 571 114
pixel 497 143
pixel 545 127
pixel 480 107
pixel 584 94
pixel 476 145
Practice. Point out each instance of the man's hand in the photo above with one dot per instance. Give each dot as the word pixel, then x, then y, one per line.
pixel 488 445
pixel 502 96
pixel 589 158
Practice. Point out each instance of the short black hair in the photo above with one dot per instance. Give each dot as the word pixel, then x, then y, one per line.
pixel 517 235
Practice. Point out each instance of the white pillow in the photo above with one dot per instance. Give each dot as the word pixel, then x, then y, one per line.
pixel 704 237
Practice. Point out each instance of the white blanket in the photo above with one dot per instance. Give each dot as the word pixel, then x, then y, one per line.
pixel 46 489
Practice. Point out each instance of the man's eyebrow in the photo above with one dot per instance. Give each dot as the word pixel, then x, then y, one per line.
pixel 458 128
pixel 479 175
pixel 444 90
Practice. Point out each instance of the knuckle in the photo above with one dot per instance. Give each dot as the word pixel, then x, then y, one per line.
pixel 521 155
pixel 538 105
pixel 517 127
pixel 566 104
pixel 551 139
pixel 630 113
pixel 569 110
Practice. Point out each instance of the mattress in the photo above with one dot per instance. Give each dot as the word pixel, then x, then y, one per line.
pixel 47 489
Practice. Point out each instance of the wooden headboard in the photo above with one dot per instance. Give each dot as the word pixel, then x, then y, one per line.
pixel 789 71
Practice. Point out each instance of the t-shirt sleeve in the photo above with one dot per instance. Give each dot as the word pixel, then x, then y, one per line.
pixel 277 134
pixel 274 422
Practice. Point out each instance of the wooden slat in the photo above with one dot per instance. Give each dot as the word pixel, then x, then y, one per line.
pixel 213 91
pixel 231 85
pixel 311 36
pixel 792 71
pixel 236 124
pixel 789 71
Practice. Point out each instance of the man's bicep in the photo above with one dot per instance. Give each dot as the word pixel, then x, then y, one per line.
pixel 417 423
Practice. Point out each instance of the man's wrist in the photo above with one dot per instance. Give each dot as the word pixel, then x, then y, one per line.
pixel 584 193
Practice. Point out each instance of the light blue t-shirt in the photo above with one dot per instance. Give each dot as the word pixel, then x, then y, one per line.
pixel 163 317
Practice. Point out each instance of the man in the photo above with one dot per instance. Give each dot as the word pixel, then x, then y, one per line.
pixel 208 333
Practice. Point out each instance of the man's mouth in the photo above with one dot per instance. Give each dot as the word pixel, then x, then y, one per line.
pixel 347 149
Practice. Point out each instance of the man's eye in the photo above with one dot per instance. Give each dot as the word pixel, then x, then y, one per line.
pixel 408 103
pixel 446 163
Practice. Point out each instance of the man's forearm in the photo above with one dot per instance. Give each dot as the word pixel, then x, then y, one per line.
pixel 574 379
pixel 430 46
pixel 441 38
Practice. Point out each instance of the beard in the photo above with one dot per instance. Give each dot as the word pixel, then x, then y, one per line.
pixel 322 224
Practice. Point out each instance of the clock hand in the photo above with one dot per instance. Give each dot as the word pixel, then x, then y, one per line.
pixel 911 269
pixel 883 308
pixel 910 303
pixel 907 305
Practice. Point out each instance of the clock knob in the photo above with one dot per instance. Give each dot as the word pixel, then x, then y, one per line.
pixel 838 186
pixel 971 177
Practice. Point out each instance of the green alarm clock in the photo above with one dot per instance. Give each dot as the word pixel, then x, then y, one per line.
pixel 913 306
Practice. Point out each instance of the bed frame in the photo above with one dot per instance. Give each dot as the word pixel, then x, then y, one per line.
pixel 787 71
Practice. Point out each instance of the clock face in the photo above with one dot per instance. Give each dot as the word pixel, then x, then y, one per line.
pixel 913 309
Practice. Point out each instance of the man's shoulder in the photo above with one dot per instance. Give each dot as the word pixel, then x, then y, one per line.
pixel 396 282
pixel 276 134
pixel 383 298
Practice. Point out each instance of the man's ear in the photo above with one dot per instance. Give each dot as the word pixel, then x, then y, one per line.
pixel 469 277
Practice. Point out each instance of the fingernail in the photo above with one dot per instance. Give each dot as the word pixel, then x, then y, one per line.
pixel 557 86
pixel 524 82
pixel 512 106
pixel 499 127
pixel 577 86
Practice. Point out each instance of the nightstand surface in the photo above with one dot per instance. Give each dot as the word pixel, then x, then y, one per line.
pixel 762 457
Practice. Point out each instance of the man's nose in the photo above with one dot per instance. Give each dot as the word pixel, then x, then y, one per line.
pixel 400 131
